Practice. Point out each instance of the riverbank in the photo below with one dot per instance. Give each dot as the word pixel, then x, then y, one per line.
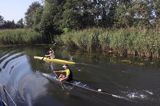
pixel 121 42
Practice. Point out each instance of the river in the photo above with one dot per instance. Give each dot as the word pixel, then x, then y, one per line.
pixel 125 84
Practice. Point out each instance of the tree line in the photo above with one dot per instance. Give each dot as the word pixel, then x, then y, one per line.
pixel 57 16
pixel 6 24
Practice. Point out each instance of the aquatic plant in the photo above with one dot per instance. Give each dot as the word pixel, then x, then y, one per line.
pixel 130 41
pixel 19 36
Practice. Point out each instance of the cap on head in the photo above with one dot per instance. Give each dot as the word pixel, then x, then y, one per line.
pixel 65 66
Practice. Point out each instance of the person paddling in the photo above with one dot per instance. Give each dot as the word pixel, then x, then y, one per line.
pixel 65 74
pixel 50 54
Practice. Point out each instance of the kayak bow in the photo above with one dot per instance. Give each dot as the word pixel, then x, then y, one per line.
pixel 58 61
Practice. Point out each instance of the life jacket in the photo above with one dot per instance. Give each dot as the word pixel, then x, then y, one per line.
pixel 69 74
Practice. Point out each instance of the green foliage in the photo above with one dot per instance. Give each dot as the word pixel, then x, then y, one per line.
pixel 1 20
pixel 65 30
pixel 130 39
pixel 50 18
pixel 123 17
pixel 20 23
pixel 70 16
pixel 37 19
pixel 20 36
pixel 80 14
pixel 10 24
pixel 31 12
pixel 85 39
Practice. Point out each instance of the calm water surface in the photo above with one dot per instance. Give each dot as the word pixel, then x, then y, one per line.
pixel 125 84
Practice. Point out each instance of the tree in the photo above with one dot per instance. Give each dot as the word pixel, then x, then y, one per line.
pixel 123 16
pixel 1 21
pixel 31 11
pixel 157 12
pixel 20 23
pixel 70 15
pixel 142 12
pixel 49 25
pixel 37 19
pixel 9 24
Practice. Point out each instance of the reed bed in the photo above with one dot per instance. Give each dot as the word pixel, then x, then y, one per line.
pixel 130 41
pixel 19 36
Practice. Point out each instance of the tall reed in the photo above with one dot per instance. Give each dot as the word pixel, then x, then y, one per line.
pixel 131 40
pixel 19 36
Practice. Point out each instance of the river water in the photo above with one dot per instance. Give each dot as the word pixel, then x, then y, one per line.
pixel 124 84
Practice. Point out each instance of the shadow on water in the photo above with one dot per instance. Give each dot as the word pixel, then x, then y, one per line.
pixel 123 84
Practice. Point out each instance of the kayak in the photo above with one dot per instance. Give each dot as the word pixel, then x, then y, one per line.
pixel 57 61
pixel 52 77
pixel 71 84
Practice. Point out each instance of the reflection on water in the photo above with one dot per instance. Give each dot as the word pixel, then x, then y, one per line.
pixel 124 84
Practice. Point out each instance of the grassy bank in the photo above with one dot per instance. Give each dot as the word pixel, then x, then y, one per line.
pixel 131 41
pixel 19 36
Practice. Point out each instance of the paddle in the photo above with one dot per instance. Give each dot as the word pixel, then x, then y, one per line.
pixel 43 57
